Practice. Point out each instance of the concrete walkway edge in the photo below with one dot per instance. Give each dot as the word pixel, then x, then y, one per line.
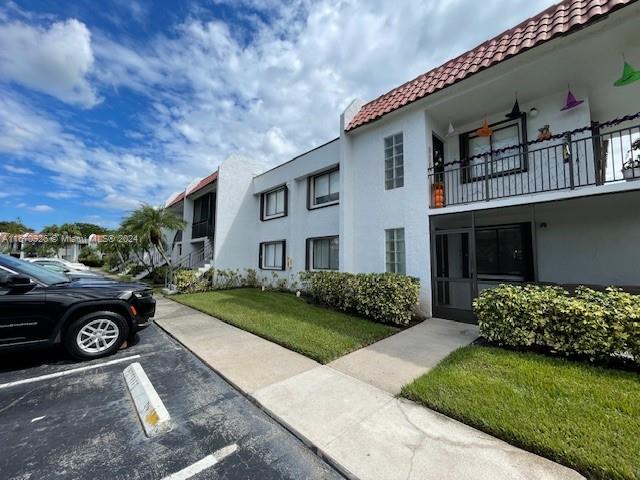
pixel 299 394
pixel 308 443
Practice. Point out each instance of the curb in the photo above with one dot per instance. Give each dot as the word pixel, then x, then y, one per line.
pixel 316 450
pixel 151 411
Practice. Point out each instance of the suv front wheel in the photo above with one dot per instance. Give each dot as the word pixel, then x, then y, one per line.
pixel 96 334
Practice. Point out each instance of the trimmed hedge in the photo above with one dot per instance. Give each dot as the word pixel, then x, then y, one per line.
pixel 384 297
pixel 592 323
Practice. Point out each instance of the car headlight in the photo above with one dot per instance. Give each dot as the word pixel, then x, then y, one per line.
pixel 143 294
pixel 125 295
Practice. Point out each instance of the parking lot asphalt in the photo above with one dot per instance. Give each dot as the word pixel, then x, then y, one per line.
pixel 83 425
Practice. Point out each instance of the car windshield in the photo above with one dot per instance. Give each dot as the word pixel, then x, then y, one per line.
pixel 32 270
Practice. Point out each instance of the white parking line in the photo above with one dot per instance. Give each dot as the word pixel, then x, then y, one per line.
pixel 67 372
pixel 200 465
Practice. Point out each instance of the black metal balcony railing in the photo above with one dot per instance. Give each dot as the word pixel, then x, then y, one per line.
pixel 202 229
pixel 578 160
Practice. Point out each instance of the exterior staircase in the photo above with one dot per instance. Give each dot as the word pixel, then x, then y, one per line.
pixel 200 260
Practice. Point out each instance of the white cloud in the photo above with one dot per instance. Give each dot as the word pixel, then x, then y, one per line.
pixel 60 195
pixel 42 208
pixel 54 60
pixel 18 170
pixel 35 208
pixel 279 93
pixel 100 176
pixel 214 89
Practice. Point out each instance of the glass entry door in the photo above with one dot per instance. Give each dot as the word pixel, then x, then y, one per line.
pixel 453 274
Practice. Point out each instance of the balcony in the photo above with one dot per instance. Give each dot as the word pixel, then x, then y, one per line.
pixel 585 157
pixel 202 229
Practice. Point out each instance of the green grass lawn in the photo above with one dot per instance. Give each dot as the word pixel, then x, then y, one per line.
pixel 585 417
pixel 283 318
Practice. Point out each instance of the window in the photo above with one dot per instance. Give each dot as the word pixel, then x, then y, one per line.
pixel 505 252
pixel 395 250
pixel 393 162
pixel 324 189
pixel 274 203
pixel 272 255
pixel 508 133
pixel 323 253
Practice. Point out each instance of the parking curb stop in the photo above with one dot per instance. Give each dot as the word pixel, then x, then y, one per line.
pixel 151 411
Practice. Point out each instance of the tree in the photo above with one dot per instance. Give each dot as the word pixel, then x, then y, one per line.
pixel 14 226
pixel 147 223
pixel 87 229
pixel 62 234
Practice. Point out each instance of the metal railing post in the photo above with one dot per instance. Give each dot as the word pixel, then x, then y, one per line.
pixel 487 196
pixel 568 157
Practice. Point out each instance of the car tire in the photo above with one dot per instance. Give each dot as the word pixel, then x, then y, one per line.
pixel 96 335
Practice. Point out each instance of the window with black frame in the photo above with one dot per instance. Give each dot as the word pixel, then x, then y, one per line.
pixel 481 156
pixel 272 255
pixel 504 252
pixel 324 189
pixel 323 253
pixel 274 203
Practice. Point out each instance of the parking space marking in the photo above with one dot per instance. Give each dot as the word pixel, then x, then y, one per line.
pixel 67 372
pixel 203 464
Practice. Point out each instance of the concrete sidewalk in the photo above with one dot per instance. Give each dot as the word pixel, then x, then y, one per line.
pixel 362 429
pixel 397 360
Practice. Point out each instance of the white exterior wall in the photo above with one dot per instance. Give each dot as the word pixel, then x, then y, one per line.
pixel 371 209
pixel 300 222
pixel 236 207
pixel 592 240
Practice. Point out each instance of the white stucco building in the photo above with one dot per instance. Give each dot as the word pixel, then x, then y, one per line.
pixel 415 185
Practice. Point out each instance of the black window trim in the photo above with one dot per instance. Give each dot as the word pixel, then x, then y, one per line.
pixel 284 255
pixel 310 178
pixel 307 252
pixel 465 167
pixel 263 197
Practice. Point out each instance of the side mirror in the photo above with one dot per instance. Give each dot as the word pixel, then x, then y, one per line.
pixel 15 282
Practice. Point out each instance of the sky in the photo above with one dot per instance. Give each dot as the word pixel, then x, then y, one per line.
pixel 108 104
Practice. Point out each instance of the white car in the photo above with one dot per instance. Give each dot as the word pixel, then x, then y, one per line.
pixel 65 264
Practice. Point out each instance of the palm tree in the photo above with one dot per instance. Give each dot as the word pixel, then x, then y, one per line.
pixel 148 222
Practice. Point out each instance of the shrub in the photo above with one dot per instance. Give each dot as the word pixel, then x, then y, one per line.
pixel 90 257
pixel 189 281
pixel 158 276
pixel 592 323
pixel 384 297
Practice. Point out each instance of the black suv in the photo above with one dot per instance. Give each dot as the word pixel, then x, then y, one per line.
pixel 91 317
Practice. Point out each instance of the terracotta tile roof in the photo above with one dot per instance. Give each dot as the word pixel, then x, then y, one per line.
pixel 559 19
pixel 202 183
pixel 176 200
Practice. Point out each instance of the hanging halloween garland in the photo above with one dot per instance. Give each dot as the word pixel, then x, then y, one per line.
pixel 602 125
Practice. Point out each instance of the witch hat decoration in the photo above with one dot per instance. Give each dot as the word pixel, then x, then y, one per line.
pixel 485 130
pixel 451 130
pixel 515 111
pixel 629 75
pixel 571 102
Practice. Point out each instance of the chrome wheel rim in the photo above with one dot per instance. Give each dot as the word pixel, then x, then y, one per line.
pixel 98 335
